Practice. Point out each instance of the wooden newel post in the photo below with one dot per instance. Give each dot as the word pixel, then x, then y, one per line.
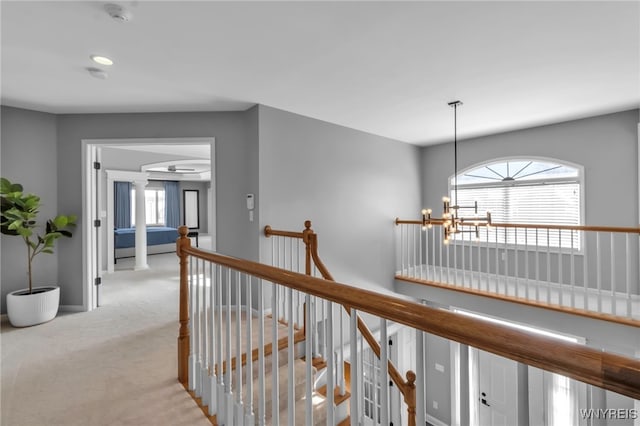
pixel 306 238
pixel 183 336
pixel 410 397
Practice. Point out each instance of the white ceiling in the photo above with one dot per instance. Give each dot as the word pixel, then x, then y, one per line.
pixel 387 68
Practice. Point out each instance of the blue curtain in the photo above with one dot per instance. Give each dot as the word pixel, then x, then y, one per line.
pixel 122 203
pixel 172 203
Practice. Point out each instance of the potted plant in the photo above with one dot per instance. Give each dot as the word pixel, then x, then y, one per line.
pixel 18 217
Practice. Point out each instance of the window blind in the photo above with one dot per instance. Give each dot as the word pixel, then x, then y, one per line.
pixel 543 203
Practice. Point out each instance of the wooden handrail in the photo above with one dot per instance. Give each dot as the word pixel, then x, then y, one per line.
pixel 628 230
pixel 609 371
pixel 268 232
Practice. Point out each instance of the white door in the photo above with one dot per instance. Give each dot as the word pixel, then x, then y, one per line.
pixel 498 390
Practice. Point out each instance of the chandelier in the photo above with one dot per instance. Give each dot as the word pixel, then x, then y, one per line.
pixel 452 220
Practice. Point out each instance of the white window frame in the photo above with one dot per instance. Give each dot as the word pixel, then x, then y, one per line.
pixel 133 207
pixel 580 180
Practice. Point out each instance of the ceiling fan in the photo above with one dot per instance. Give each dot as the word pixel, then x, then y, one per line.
pixel 174 169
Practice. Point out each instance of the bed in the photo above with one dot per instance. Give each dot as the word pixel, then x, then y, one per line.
pixel 160 239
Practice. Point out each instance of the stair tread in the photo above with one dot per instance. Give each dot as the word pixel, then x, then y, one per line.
pixel 337 397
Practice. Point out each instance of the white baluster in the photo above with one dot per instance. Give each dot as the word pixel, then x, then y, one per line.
pixel 330 365
pixel 628 274
pixel 433 254
pixel 463 246
pixel 415 250
pixel 249 416
pixel 384 373
pixel 447 248
pixel 420 379
pixel 585 271
pixel 560 269
pixel 403 252
pixel 488 251
pixel 213 337
pixel 203 333
pixel 197 335
pixel 421 259
pixel 599 271
pixel 341 360
pixel 548 269
pixel 361 373
pixel 238 390
pixel 220 391
pixel 613 272
pixel 291 397
pixel 537 267
pixel 192 330
pixel 275 387
pixel 308 353
pixel 229 411
pixel 573 272
pixel 526 263
pixel 261 342
pixel 353 341
pixel 497 271
pixel 515 259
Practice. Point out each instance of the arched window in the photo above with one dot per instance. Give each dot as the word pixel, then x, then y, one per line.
pixel 524 191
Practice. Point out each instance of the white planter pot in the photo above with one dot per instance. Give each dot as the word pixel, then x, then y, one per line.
pixel 24 309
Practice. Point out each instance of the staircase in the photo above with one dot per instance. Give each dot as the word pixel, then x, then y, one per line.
pixel 278 378
pixel 287 362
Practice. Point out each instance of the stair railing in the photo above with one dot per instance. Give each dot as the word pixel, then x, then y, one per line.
pixel 208 281
pixel 312 259
pixel 588 270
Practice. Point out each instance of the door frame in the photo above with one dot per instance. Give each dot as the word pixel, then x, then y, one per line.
pixel 92 266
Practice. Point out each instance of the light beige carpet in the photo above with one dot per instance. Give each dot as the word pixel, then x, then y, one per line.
pixel 113 366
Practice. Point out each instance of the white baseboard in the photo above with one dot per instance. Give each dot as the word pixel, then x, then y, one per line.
pixel 435 422
pixel 71 308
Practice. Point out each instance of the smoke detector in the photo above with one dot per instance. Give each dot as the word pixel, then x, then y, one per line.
pixel 117 12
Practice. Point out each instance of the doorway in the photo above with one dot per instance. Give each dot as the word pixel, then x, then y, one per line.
pixel 500 396
pixel 94 194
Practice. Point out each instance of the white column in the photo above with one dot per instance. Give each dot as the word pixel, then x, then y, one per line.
pixel 141 226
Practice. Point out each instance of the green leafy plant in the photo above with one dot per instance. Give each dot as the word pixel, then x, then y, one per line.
pixel 18 216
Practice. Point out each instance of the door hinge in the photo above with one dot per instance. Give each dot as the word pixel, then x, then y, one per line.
pixel 391 383
pixel 97 223
pixel 96 165
pixel 97 281
pixel 390 342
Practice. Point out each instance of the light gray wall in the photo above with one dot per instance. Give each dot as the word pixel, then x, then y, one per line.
pixel 350 184
pixel 233 179
pixel 28 156
pixel 607 147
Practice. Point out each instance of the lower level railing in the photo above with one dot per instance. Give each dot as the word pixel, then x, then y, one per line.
pixel 585 269
pixel 248 366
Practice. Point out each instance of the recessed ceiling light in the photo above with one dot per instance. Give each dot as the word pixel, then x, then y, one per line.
pixel 102 60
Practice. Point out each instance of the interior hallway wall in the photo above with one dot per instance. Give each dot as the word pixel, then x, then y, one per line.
pixel 350 184
pixel 28 156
